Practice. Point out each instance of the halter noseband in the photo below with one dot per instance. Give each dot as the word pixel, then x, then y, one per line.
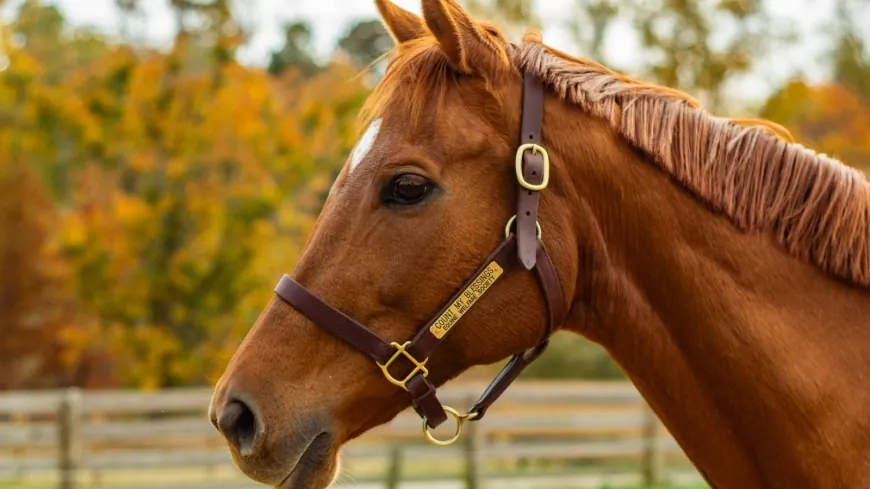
pixel 522 247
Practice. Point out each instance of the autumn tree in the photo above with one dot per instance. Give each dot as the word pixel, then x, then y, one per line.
pixel 201 189
pixel 830 118
pixel 184 188
pixel 834 117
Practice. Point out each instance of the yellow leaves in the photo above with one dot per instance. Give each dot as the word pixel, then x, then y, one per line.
pixel 24 65
pixel 130 210
pixel 142 353
pixel 184 194
pixel 175 168
pixel 73 230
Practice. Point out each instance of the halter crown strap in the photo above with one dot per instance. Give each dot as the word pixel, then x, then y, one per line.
pixel 532 168
pixel 523 247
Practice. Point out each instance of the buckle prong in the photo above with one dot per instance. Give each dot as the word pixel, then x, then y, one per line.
pixel 401 350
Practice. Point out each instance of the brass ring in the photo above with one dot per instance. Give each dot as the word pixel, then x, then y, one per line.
pixel 507 229
pixel 460 420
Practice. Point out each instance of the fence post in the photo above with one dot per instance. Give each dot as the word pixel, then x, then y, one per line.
pixel 475 456
pixel 394 471
pixel 69 436
pixel 653 461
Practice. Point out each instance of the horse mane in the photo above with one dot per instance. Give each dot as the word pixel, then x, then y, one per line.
pixel 815 206
pixel 749 170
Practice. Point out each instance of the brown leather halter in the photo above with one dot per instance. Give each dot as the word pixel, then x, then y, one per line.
pixel 523 247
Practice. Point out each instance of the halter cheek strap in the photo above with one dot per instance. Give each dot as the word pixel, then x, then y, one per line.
pixel 521 247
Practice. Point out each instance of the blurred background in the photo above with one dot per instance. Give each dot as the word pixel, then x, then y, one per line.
pixel 163 161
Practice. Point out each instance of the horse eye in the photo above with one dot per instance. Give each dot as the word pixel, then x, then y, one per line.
pixel 407 189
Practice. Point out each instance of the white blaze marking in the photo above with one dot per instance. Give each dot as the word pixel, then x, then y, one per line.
pixel 365 144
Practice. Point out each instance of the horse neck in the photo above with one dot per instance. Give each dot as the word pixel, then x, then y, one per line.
pixel 754 360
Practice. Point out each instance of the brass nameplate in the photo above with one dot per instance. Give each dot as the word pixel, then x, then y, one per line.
pixel 467 299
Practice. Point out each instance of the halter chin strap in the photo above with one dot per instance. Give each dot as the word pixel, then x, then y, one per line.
pixel 520 247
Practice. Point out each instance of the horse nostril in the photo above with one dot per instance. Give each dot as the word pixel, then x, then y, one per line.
pixel 239 425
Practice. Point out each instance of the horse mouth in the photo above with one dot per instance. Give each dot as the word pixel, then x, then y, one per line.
pixel 315 466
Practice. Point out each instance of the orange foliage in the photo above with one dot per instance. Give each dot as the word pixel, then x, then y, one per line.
pixel 829 118
pixel 37 308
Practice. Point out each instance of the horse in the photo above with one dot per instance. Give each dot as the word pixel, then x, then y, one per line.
pixel 503 192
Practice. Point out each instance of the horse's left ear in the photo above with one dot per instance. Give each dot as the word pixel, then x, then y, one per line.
pixel 469 46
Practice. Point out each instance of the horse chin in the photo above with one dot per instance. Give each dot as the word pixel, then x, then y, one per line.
pixel 317 468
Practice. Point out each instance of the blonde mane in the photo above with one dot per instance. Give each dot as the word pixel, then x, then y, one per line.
pixel 747 169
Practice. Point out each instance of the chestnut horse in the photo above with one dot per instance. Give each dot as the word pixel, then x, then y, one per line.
pixel 724 267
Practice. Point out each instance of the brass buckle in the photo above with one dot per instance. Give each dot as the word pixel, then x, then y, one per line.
pixel 400 351
pixel 460 420
pixel 507 229
pixel 519 167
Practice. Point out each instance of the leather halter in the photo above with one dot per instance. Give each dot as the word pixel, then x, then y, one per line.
pixel 520 248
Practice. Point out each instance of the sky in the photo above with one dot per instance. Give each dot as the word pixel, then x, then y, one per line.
pixel 331 19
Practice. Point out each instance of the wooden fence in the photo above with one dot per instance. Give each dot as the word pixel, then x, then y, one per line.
pixel 551 434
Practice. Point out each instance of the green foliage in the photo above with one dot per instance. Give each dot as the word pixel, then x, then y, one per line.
pixel 590 23
pixel 366 42
pixel 570 356
pixel 296 51
pixel 207 33
pixel 852 65
pixel 680 40
pixel 693 45
pixel 851 55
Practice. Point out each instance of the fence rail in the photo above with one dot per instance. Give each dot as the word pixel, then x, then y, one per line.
pixel 75 439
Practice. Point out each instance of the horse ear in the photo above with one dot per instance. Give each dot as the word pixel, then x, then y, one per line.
pixel 468 45
pixel 403 25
